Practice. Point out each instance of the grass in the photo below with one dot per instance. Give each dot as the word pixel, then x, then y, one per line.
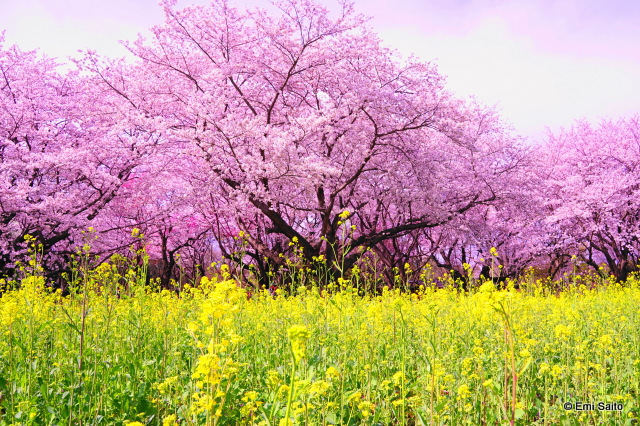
pixel 116 351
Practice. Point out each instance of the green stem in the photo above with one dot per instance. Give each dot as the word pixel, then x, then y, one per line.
pixel 291 386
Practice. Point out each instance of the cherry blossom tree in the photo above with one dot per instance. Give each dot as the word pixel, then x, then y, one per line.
pixel 64 155
pixel 496 241
pixel 592 193
pixel 301 123
pixel 157 209
pixel 43 192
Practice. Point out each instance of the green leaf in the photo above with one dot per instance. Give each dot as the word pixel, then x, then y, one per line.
pixel 526 365
pixel 331 418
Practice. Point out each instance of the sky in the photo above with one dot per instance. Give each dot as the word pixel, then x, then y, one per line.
pixel 541 63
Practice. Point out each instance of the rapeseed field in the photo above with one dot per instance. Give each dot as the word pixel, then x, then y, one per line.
pixel 114 350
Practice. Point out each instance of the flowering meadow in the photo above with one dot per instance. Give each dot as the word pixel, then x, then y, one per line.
pixel 378 234
pixel 112 349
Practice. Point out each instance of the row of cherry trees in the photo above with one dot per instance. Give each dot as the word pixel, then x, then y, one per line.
pixel 299 131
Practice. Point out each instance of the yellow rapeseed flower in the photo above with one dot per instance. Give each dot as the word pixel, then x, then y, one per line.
pixel 298 335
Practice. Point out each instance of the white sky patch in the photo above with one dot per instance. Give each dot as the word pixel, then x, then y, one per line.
pixel 532 88
pixel 61 28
